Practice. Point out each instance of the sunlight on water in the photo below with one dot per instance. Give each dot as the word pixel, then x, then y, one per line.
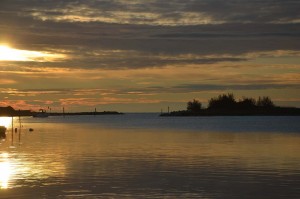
pixel 13 167
pixel 5 121
pixel 5 171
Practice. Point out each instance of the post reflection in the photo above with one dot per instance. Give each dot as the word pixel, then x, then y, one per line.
pixel 6 171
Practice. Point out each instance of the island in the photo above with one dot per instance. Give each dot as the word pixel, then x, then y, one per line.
pixel 227 105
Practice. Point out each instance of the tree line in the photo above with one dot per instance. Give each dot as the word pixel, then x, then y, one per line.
pixel 228 102
pixel 228 105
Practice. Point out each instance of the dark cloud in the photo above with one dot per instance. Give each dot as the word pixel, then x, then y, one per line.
pixel 229 11
pixel 248 11
pixel 183 88
pixel 192 88
pixel 150 29
pixel 213 87
pixel 227 35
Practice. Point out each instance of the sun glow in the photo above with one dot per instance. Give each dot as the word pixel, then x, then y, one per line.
pixel 5 121
pixel 10 54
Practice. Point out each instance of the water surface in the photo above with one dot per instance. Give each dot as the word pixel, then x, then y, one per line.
pixel 146 156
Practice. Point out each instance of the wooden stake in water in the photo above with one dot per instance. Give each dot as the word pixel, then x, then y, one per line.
pixel 12 129
pixel 20 126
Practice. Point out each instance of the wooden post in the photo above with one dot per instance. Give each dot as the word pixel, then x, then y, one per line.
pixel 12 129
pixel 20 126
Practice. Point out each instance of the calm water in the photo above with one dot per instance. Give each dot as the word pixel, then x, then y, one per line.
pixel 146 156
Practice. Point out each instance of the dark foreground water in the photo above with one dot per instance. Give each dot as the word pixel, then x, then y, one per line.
pixel 146 156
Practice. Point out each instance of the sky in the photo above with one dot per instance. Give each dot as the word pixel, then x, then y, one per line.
pixel 146 55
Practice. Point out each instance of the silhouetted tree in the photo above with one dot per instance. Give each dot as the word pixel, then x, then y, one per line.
pixel 222 102
pixel 246 103
pixel 265 102
pixel 194 106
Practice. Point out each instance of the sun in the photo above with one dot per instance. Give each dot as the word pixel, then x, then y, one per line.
pixel 8 53
pixel 5 121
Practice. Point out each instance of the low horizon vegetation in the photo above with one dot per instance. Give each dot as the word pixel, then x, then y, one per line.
pixel 228 105
pixel 228 102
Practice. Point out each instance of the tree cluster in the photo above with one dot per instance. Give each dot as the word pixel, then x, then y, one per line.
pixel 194 106
pixel 228 102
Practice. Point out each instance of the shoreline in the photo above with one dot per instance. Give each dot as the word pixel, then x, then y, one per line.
pixel 275 111
pixel 10 112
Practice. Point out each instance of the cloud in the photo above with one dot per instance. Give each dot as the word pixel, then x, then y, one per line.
pixel 197 88
pixel 7 81
pixel 140 34
pixel 211 87
pixel 122 59
pixel 142 49
pixel 270 11
pixel 91 97
pixel 157 12
pixel 32 92
pixel 216 35
pixel 23 104
pixel 105 100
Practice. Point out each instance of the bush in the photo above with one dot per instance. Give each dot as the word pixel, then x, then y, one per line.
pixel 222 102
pixel 265 102
pixel 247 103
pixel 194 106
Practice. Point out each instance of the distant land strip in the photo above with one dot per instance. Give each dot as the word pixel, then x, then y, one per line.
pixel 88 113
pixel 11 112
pixel 227 105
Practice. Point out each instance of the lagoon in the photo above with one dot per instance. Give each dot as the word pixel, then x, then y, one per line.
pixel 147 156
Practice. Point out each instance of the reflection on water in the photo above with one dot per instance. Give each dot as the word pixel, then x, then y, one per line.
pixel 67 160
pixel 15 168
pixel 5 170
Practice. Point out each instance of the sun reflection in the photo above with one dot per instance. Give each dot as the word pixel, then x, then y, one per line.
pixel 11 167
pixel 5 171
pixel 5 121
pixel 10 54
